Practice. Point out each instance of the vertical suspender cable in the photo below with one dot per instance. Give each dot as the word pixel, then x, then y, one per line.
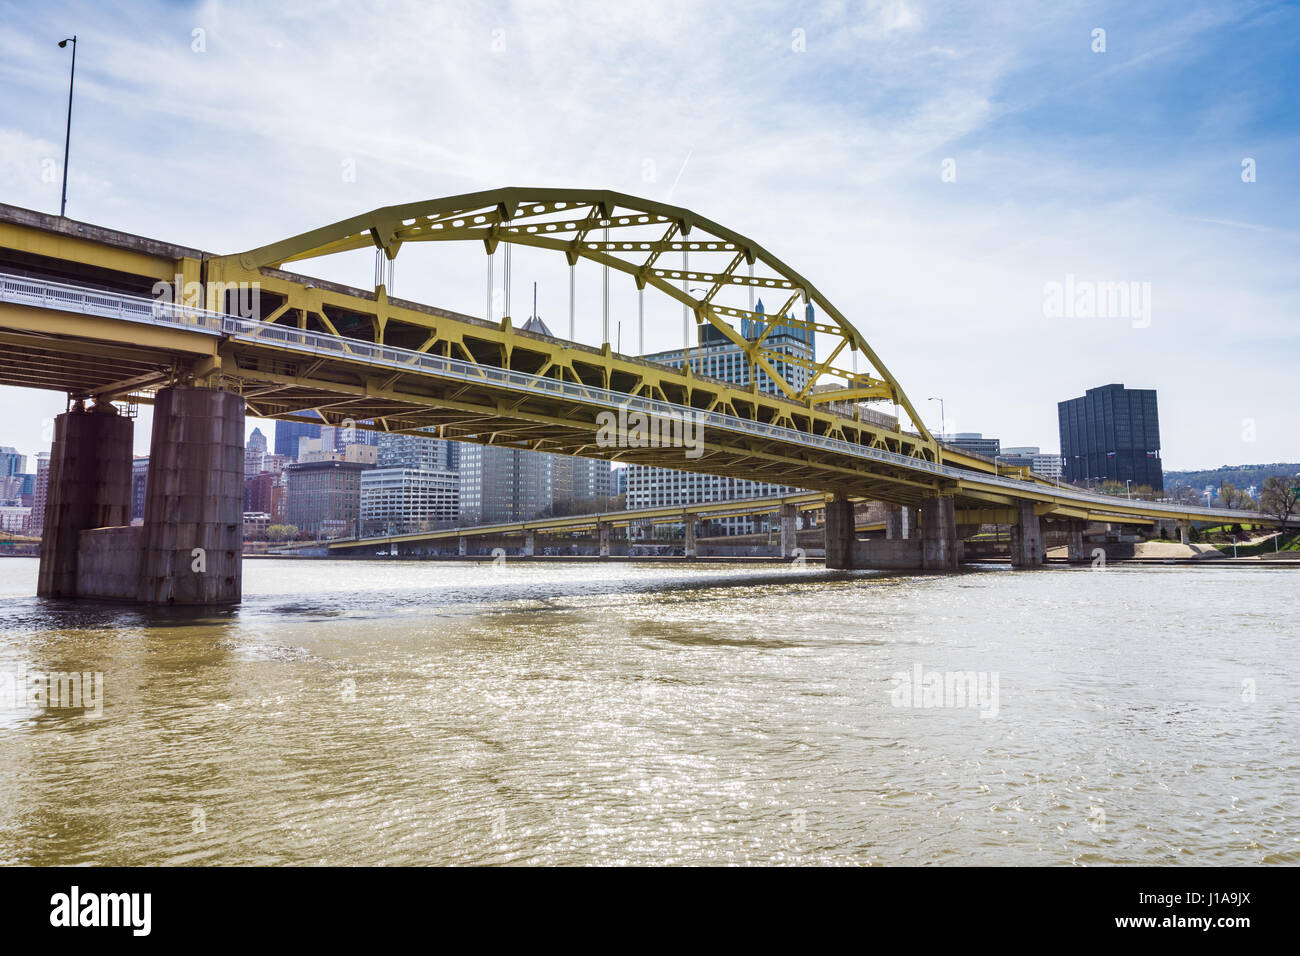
pixel 487 312
pixel 508 278
pixel 604 306
pixel 640 321
pixel 573 293
pixel 686 314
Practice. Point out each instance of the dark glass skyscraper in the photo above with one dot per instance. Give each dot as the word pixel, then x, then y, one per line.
pixel 288 433
pixel 1112 433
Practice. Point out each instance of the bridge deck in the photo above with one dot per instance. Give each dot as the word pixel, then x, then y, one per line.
pixel 466 380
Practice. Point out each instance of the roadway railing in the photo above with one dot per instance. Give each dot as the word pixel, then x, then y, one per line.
pixel 64 297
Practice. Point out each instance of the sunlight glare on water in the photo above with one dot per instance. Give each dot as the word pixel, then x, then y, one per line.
pixel 402 712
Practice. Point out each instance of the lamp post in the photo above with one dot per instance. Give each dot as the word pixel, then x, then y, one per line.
pixel 67 136
pixel 1128 491
pixel 943 419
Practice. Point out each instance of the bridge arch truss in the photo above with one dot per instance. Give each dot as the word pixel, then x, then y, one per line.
pixel 644 239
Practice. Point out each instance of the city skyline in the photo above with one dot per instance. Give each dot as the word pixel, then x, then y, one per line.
pixel 962 204
pixel 514 433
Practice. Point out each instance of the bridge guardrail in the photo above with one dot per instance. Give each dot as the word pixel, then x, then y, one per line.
pixel 159 312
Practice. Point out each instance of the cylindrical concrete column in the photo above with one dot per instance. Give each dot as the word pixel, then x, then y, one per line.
pixel 898 522
pixel 939 544
pixel 841 534
pixel 789 530
pixel 1027 538
pixel 1076 549
pixel 193 513
pixel 89 487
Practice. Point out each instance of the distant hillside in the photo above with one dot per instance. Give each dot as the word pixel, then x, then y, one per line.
pixel 1242 476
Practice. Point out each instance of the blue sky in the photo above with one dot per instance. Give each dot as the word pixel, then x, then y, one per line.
pixel 1122 165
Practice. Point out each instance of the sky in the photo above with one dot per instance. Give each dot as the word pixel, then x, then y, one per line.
pixel 933 167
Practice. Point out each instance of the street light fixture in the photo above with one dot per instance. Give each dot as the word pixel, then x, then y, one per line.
pixel 943 419
pixel 67 136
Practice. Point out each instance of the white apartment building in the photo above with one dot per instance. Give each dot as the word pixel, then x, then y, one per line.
pixel 399 500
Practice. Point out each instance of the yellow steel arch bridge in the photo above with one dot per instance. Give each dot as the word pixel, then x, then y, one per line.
pixel 104 315
pixel 640 238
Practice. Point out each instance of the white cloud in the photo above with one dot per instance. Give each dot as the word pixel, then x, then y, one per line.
pixel 830 158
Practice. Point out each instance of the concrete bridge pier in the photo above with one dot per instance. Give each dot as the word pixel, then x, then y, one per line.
pixel 940 547
pixel 789 530
pixel 1027 538
pixel 602 532
pixel 688 522
pixel 900 522
pixel 462 546
pixel 89 487
pixel 530 544
pixel 190 547
pixel 193 540
pixel 1075 548
pixel 841 534
pixel 1185 532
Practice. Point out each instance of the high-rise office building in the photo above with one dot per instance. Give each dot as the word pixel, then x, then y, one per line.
pixel 718 357
pixel 1112 433
pixel 503 484
pixel 323 498
pixel 338 437
pixel 11 463
pixel 402 500
pixel 416 451
pixel 37 521
pixel 579 484
pixel 976 444
pixel 416 485
pixel 254 452
pixel 288 433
